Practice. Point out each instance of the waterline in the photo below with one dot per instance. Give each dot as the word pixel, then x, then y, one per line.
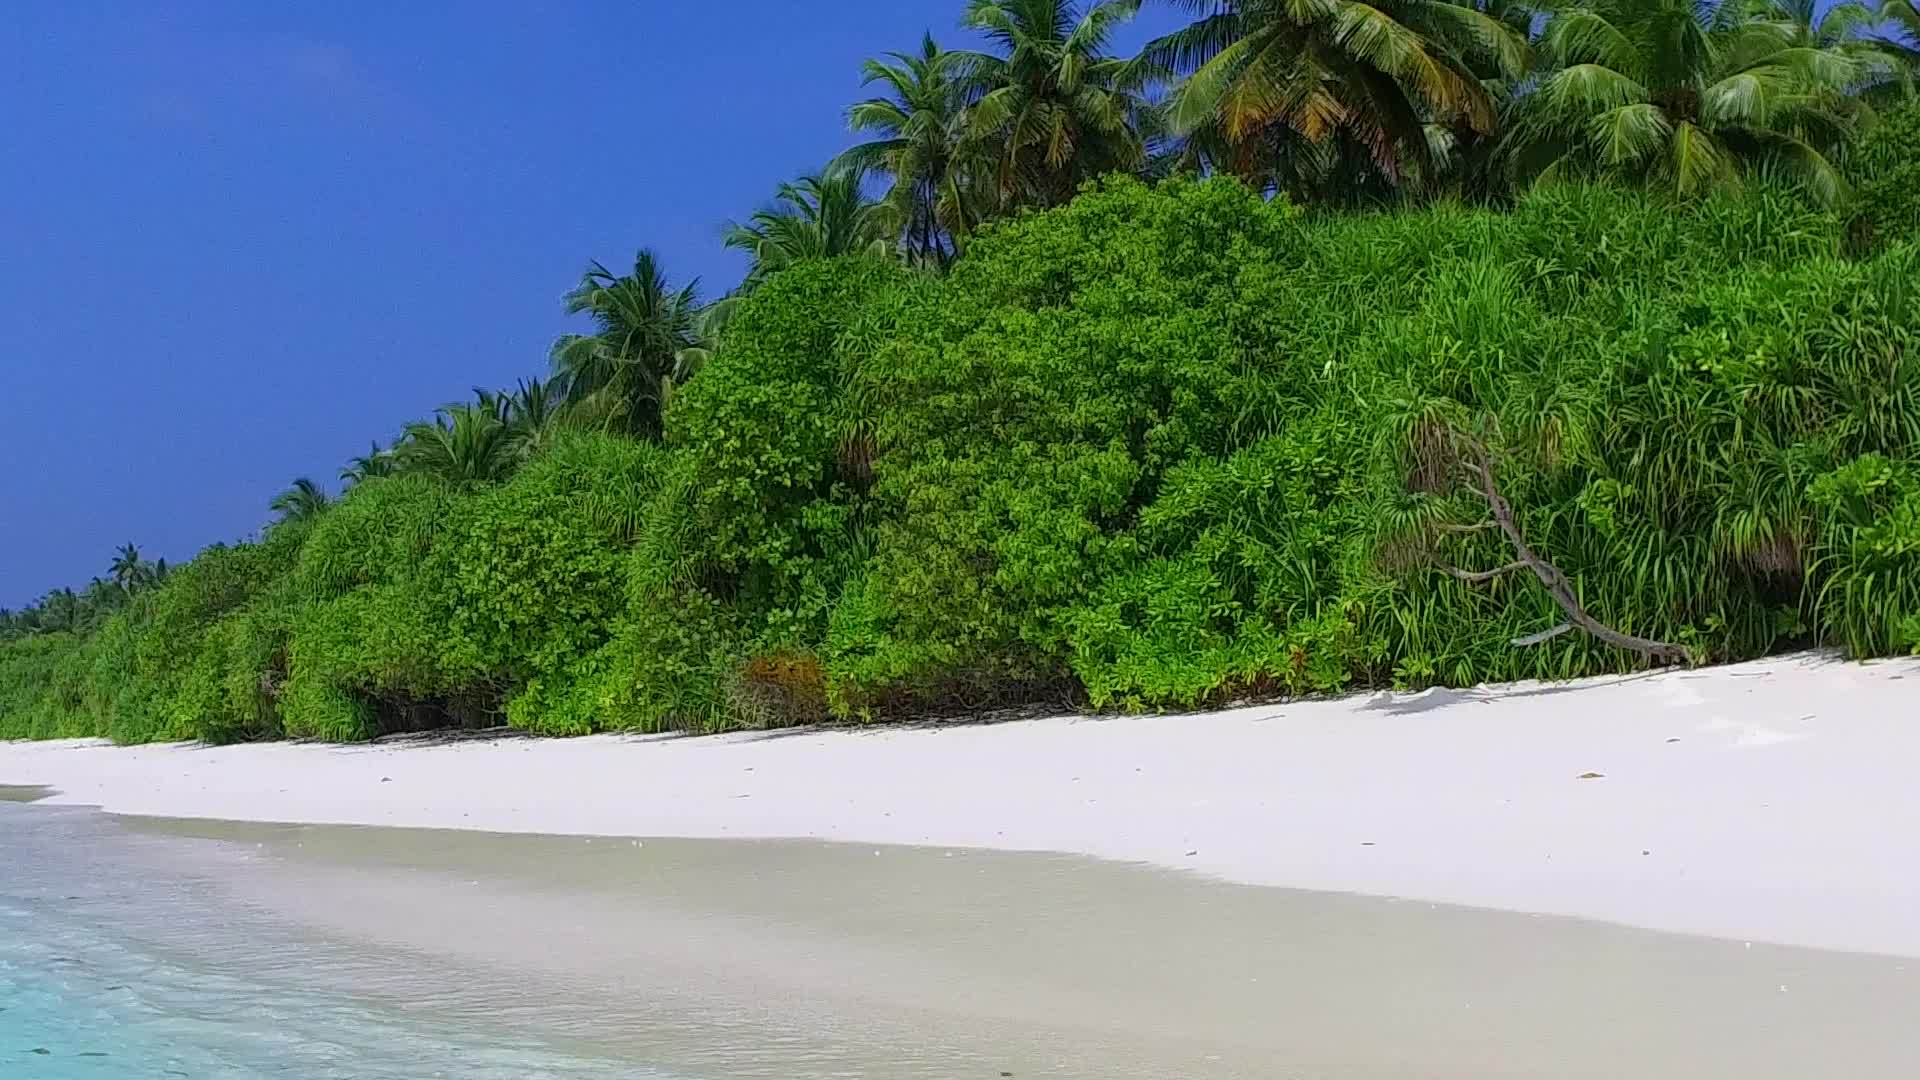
pixel 348 951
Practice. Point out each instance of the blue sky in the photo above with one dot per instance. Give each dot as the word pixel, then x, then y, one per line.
pixel 240 240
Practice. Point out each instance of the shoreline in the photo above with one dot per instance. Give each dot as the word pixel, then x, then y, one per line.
pixel 1765 802
pixel 675 959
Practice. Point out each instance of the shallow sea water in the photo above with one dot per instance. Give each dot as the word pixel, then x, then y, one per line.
pixel 116 960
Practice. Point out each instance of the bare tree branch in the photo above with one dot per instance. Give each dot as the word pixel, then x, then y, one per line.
pixel 1472 576
pixel 1478 526
pixel 1549 575
pixel 1544 635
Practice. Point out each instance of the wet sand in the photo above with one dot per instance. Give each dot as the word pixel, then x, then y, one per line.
pixel 808 959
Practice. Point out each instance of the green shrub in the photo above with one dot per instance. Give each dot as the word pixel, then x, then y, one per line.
pixel 30 670
pixel 1026 409
pixel 531 574
pixel 1171 441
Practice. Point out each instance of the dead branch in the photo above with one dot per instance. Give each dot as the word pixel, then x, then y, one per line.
pixel 1473 576
pixel 1549 575
pixel 1478 526
pixel 1544 635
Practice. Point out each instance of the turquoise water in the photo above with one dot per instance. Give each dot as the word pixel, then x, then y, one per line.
pixel 115 963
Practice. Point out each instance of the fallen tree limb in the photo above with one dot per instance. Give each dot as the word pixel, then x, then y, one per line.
pixel 1471 576
pixel 1544 635
pixel 1549 575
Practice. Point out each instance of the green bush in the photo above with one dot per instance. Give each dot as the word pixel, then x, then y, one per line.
pixel 773 452
pixel 1171 441
pixel 461 604
pixel 1025 411
pixel 533 574
pixel 30 667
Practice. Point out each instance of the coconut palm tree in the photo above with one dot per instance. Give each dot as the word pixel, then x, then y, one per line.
pixel 1898 35
pixel 464 445
pixel 101 598
pixel 1872 37
pixel 1904 15
pixel 1684 98
pixel 375 462
pixel 128 569
pixel 60 611
pixel 646 340
pixel 1050 109
pixel 534 414
pixel 303 501
pixel 815 217
pixel 1313 95
pixel 917 146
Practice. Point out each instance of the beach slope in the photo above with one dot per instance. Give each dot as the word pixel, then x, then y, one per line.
pixel 1770 801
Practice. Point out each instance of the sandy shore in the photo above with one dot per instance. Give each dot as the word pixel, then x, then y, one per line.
pixel 1769 802
pixel 387 952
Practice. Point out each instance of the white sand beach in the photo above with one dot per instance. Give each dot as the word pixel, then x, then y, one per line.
pixel 1765 802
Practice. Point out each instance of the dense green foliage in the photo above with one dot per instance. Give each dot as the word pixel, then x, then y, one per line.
pixel 1040 424
pixel 1886 174
pixel 1690 98
pixel 1159 447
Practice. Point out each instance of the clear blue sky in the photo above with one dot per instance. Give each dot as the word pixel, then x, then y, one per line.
pixel 239 240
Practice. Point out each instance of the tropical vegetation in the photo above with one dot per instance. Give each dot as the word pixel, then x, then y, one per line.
pixel 1142 382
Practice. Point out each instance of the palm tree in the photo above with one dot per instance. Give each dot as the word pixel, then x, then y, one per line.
pixel 1858 30
pixel 101 598
pixel 375 462
pixel 1899 36
pixel 60 610
pixel 1687 99
pixel 1905 15
pixel 1051 109
pixel 917 145
pixel 128 569
pixel 532 413
pixel 462 444
pixel 816 217
pixel 303 501
pixel 646 340
pixel 1311 96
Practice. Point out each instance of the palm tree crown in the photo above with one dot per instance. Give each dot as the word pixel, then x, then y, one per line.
pixel 1287 93
pixel 301 502
pixel 534 412
pixel 917 145
pixel 463 445
pixel 646 340
pixel 1689 99
pixel 375 462
pixel 815 217
pixel 128 567
pixel 1050 109
pixel 1878 40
